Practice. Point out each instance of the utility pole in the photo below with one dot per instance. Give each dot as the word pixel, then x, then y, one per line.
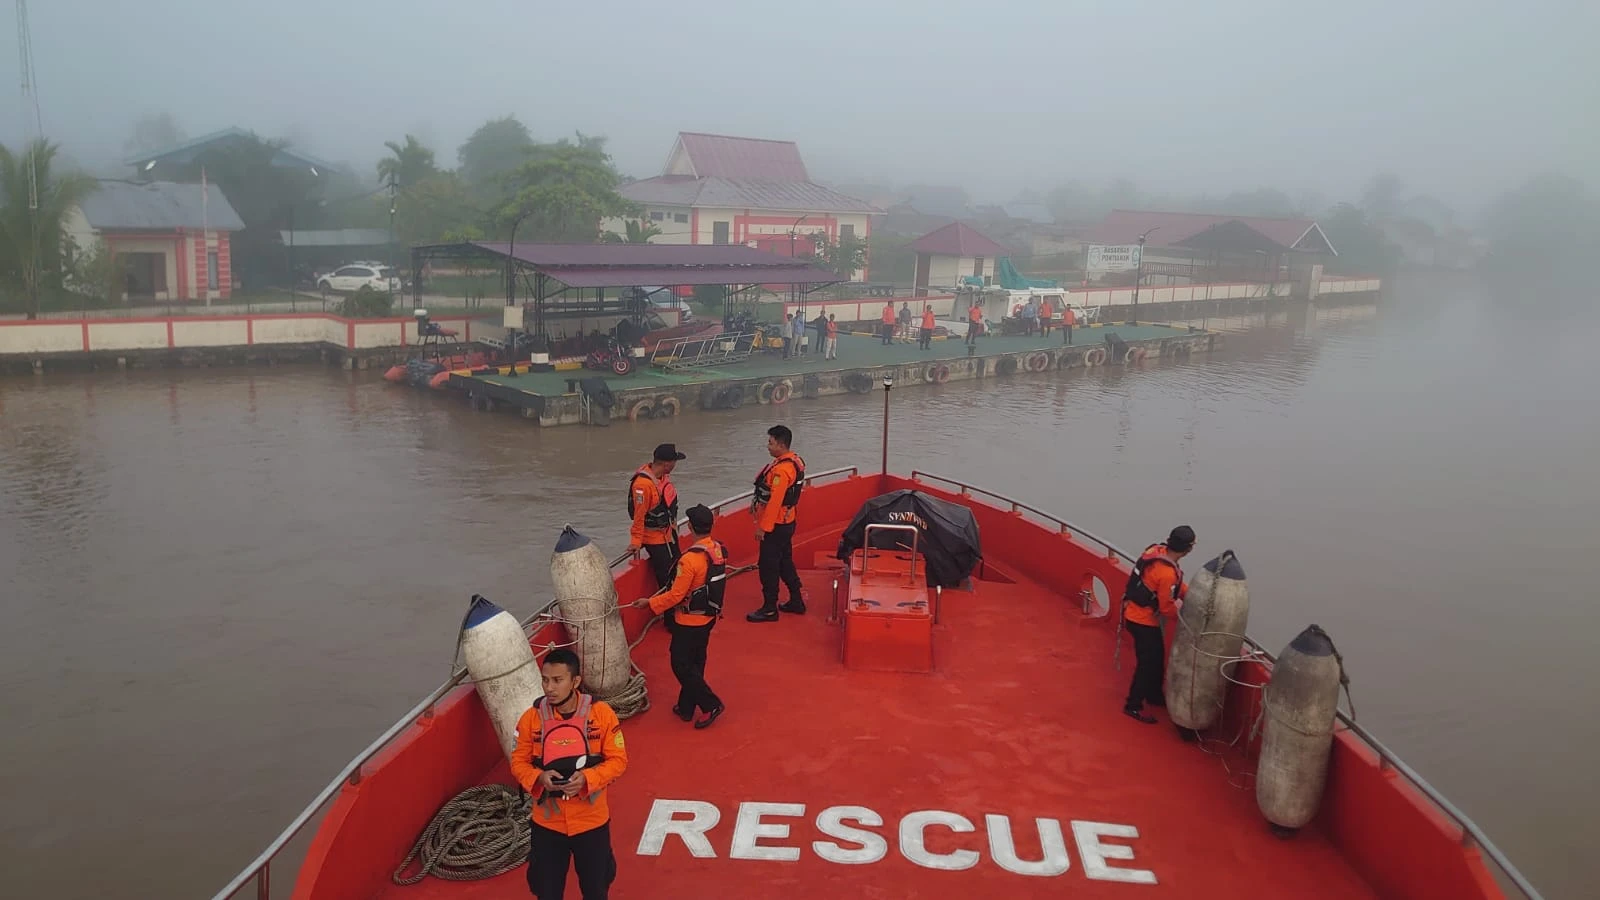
pixel 392 187
pixel 1138 275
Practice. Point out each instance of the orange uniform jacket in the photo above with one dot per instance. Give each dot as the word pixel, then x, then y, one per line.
pixel 1160 578
pixel 927 319
pixel 833 328
pixel 645 495
pixel 693 569
pixel 589 810
pixel 779 477
pixel 974 314
pixel 1069 317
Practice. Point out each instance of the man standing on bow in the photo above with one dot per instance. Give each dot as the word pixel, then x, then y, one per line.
pixel 777 495
pixel 691 608
pixel 653 507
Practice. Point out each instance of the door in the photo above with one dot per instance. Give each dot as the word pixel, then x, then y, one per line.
pixel 719 232
pixel 924 263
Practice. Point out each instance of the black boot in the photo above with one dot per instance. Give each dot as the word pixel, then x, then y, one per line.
pixel 763 615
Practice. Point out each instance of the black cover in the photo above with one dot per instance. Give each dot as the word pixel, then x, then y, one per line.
pixel 947 533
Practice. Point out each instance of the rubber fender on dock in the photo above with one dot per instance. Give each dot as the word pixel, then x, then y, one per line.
pixel 667 406
pixel 587 600
pixel 938 373
pixel 598 393
pixel 1211 629
pixel 1038 362
pixel 857 382
pixel 500 663
pixel 733 397
pixel 781 391
pixel 810 385
pixel 1299 705
pixel 1006 365
pixel 1095 356
pixel 764 393
pixel 641 410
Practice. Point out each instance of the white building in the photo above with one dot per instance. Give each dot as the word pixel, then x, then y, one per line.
pixel 730 190
pixel 946 256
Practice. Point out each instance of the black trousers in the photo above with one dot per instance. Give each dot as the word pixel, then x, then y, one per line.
pixel 663 558
pixel 688 650
pixel 589 853
pixel 776 563
pixel 1066 334
pixel 927 338
pixel 1149 671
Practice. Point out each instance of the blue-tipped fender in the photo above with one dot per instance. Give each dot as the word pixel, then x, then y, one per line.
pixel 500 663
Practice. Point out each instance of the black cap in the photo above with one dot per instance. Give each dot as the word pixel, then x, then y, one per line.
pixel 1181 540
pixel 668 453
pixel 700 517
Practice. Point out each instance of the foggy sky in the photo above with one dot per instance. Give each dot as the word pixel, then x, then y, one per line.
pixel 1458 101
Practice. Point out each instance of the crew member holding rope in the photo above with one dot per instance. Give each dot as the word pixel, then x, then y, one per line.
pixel 777 494
pixel 1156 586
pixel 691 606
pixel 569 748
pixel 653 506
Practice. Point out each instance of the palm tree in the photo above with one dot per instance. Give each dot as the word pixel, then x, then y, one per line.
pixel 31 233
pixel 636 232
pixel 406 164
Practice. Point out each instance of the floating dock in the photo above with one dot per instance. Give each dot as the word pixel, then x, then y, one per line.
pixel 560 397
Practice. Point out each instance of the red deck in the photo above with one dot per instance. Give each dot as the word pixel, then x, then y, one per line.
pixel 1019 719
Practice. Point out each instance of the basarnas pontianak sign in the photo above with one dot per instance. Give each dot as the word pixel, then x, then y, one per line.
pixel 1113 257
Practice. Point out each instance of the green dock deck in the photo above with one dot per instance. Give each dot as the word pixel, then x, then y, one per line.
pixel 543 395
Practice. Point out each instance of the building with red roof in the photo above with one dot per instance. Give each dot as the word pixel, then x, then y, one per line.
pixel 717 189
pixel 1183 248
pixel 947 255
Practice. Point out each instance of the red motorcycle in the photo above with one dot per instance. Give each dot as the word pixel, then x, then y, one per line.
pixel 613 358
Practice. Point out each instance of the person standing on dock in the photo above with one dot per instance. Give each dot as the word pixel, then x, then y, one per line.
pixel 927 327
pixel 830 342
pixel 691 607
pixel 903 322
pixel 797 331
pixel 653 507
pixel 570 813
pixel 1047 315
pixel 974 322
pixel 886 324
pixel 1068 319
pixel 1155 587
pixel 777 495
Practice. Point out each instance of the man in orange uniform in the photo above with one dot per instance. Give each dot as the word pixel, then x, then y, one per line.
pixel 927 326
pixel 1068 319
pixel 886 324
pixel 974 323
pixel 691 607
pixel 777 495
pixel 1155 586
pixel 571 817
pixel 653 506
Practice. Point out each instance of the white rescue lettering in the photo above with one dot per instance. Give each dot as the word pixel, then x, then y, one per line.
pixel 691 820
pixel 748 829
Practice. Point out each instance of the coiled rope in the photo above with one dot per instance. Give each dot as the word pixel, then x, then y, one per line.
pixel 482 832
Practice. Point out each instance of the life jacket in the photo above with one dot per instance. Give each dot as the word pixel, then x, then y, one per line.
pixel 1137 592
pixel 706 600
pixel 665 512
pixel 564 742
pixel 927 319
pixel 791 497
pixel 974 314
pixel 888 314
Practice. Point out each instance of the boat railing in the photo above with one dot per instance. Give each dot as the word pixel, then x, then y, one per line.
pixel 260 870
pixel 1471 834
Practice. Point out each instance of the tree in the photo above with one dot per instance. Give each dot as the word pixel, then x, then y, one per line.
pixel 1363 249
pixel 844 257
pixel 407 164
pixel 562 192
pixel 635 231
pixel 1546 231
pixel 430 209
pixel 498 147
pixel 1381 200
pixel 31 234
pixel 153 134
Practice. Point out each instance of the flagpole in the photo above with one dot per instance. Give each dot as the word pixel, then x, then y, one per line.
pixel 205 233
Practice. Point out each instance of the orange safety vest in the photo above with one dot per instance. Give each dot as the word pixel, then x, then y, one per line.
pixel 974 314
pixel 888 314
pixel 833 328
pixel 1141 602
pixel 927 319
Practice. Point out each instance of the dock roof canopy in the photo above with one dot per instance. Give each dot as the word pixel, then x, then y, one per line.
pixel 645 265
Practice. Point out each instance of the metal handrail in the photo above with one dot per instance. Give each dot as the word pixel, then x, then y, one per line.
pixel 260 868
pixel 1471 833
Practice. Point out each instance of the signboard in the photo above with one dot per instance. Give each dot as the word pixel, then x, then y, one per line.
pixel 1113 258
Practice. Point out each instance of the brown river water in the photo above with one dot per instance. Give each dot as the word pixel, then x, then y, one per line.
pixel 219 585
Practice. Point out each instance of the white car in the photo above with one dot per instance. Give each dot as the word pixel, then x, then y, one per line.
pixel 349 279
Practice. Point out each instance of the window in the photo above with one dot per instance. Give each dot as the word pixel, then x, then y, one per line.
pixel 680 217
pixel 846 231
pixel 977 266
pixel 719 232
pixel 658 217
pixel 211 270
